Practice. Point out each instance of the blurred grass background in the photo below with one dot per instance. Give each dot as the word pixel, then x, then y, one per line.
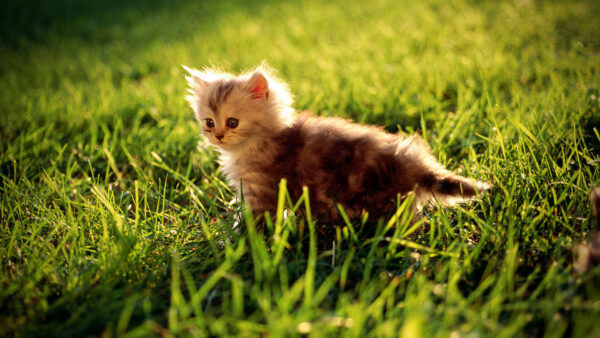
pixel 113 223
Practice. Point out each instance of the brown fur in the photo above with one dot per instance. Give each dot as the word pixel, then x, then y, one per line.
pixel 362 167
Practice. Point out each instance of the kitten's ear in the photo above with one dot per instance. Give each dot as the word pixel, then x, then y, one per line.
pixel 196 85
pixel 258 86
pixel 195 80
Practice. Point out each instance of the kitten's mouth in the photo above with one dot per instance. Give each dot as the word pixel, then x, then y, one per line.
pixel 220 143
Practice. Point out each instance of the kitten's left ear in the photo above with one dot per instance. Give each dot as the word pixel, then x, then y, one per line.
pixel 195 79
pixel 258 86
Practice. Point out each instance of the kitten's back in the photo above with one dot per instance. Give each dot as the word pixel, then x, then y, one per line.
pixel 362 167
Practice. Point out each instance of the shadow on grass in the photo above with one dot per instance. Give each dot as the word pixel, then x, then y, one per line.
pixel 31 21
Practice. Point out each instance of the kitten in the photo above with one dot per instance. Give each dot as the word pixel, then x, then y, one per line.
pixel 261 139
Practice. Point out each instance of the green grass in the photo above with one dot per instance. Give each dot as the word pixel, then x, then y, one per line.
pixel 113 223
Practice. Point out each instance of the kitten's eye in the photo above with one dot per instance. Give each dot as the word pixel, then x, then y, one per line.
pixel 210 123
pixel 232 123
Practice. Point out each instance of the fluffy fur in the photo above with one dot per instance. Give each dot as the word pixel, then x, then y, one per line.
pixel 362 167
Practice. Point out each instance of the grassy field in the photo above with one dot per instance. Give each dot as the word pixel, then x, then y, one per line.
pixel 113 223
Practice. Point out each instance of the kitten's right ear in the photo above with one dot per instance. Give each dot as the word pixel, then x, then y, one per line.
pixel 195 80
pixel 196 86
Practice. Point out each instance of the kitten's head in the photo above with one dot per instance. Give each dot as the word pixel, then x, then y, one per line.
pixel 234 110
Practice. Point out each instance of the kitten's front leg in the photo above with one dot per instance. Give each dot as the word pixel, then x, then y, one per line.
pixel 260 199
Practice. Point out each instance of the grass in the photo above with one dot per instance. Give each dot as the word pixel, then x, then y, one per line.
pixel 113 223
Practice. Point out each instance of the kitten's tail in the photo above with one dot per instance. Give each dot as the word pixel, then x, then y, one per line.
pixel 448 188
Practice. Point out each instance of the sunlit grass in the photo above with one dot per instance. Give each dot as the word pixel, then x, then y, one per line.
pixel 112 222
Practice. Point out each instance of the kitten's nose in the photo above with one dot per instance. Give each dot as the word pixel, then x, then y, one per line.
pixel 219 137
